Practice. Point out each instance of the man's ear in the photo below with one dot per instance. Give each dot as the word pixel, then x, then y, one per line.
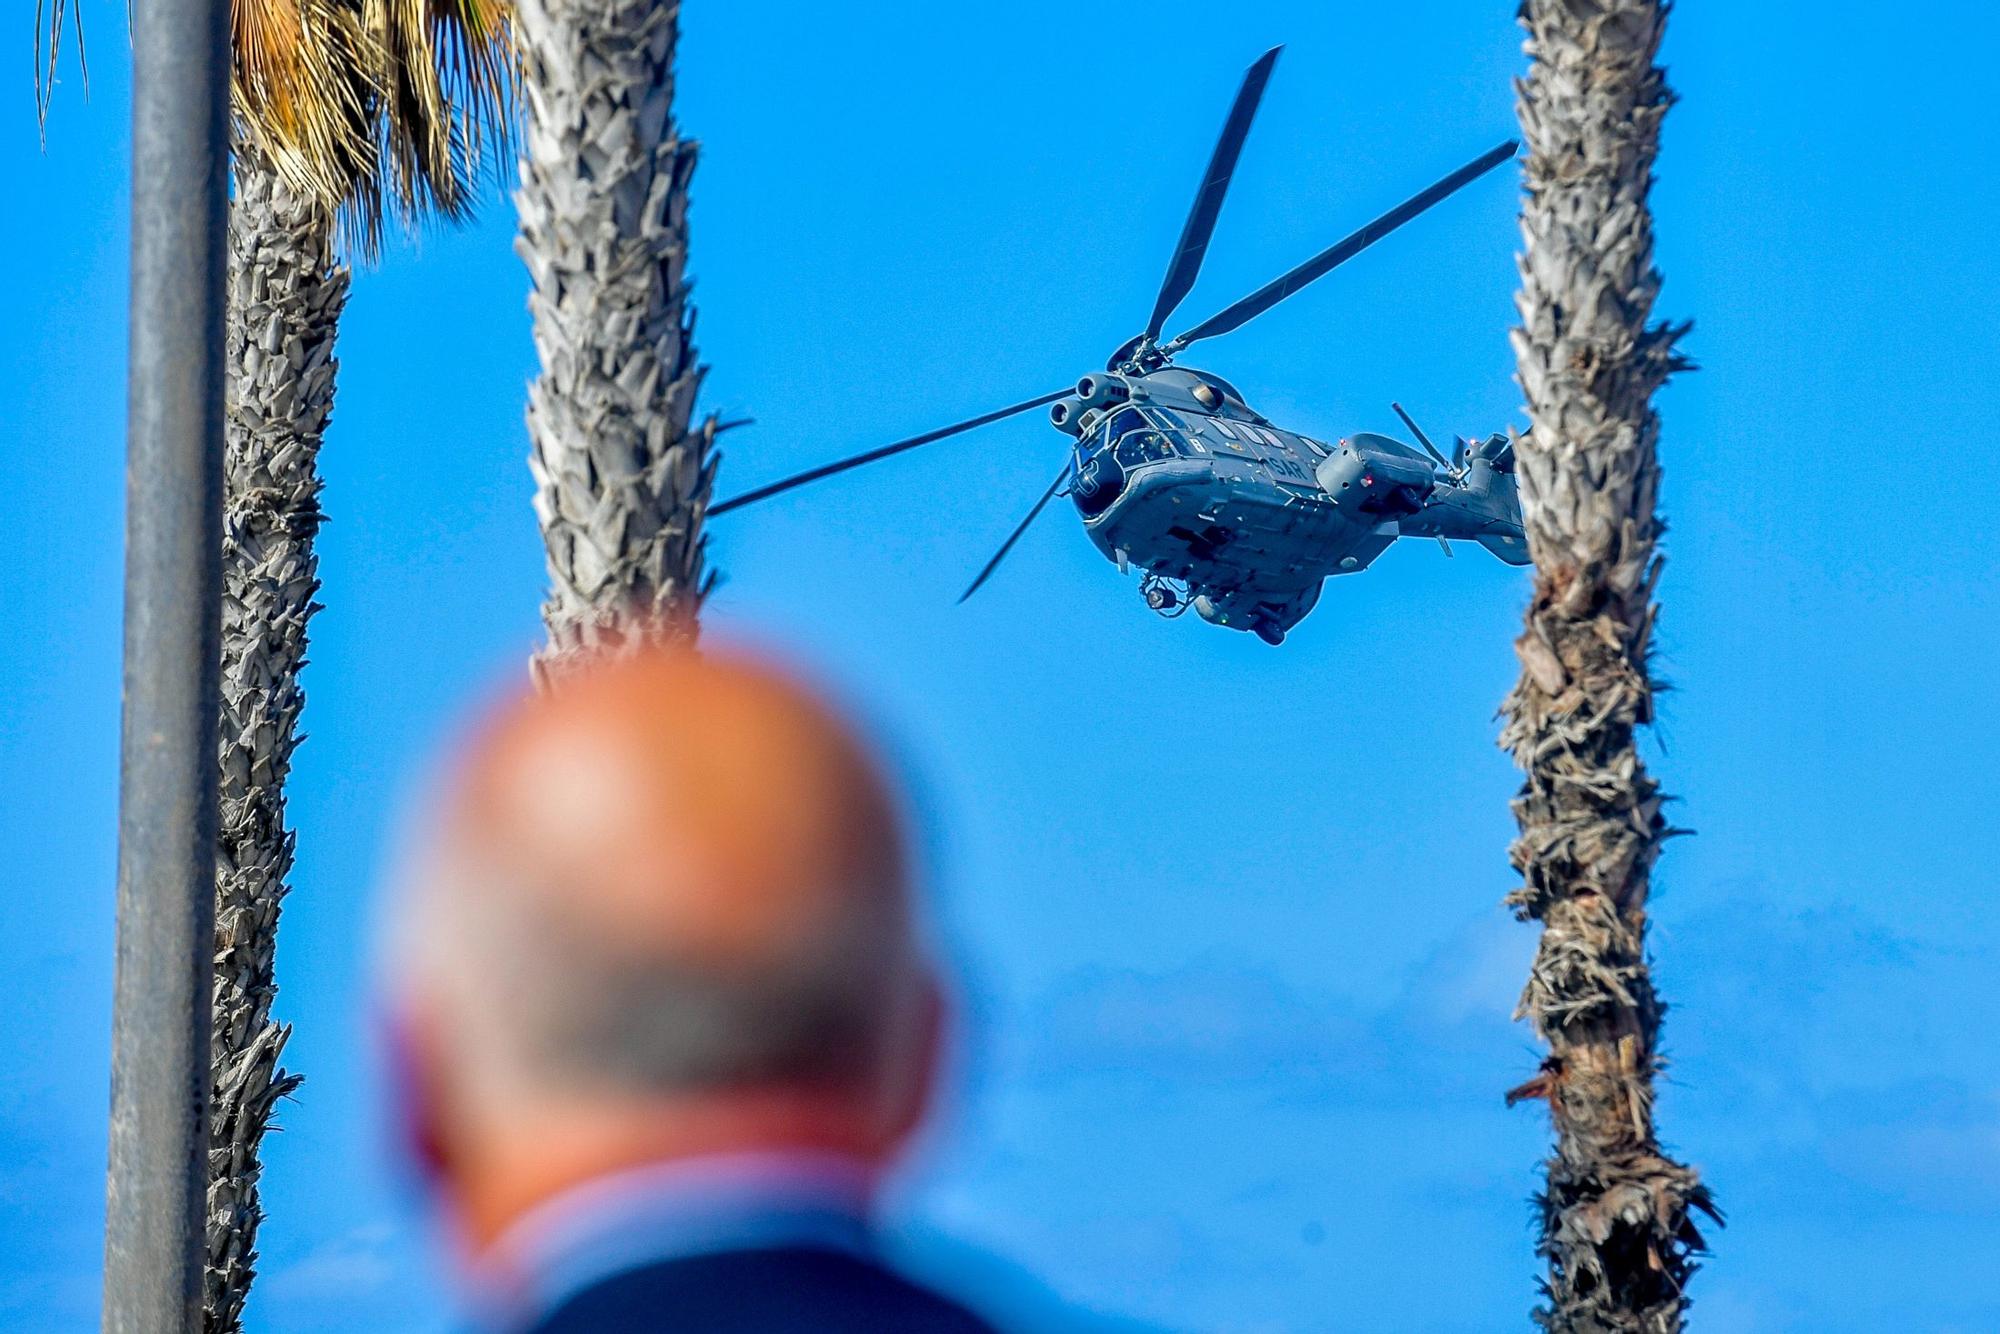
pixel 416 1094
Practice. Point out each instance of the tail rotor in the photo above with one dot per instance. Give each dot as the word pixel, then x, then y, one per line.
pixel 1496 449
pixel 1454 468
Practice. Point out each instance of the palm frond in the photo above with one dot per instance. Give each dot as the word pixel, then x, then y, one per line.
pixel 357 104
pixel 305 94
pixel 448 85
pixel 49 15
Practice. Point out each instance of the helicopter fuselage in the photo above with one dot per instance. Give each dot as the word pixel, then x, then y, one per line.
pixel 1241 520
pixel 1226 514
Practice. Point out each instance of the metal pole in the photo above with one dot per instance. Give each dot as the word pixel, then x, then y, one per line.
pixel 154 1208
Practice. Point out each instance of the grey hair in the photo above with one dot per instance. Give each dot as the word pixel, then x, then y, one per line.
pixel 540 998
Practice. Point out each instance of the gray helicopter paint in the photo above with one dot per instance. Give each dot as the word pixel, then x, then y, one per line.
pixel 1226 513
pixel 1249 519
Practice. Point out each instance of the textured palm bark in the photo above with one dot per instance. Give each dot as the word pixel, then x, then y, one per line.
pixel 1616 1228
pixel 285 297
pixel 622 476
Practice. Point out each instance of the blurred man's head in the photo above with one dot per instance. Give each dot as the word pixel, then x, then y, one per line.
pixel 661 912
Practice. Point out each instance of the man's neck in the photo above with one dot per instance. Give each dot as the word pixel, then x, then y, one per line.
pixel 515 1169
pixel 673 1211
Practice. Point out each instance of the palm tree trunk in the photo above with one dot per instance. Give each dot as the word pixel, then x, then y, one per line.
pixel 622 477
pixel 1616 1231
pixel 285 297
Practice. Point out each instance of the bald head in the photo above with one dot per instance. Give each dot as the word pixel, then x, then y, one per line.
pixel 676 877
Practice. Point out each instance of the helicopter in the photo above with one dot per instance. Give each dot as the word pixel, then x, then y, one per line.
pixel 1224 512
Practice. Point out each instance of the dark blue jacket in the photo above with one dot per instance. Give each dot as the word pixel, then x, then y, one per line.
pixel 792 1290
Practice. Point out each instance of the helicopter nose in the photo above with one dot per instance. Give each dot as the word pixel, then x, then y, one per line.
pixel 1098 483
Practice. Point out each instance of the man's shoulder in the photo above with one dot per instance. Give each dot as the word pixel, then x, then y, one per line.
pixel 753 1291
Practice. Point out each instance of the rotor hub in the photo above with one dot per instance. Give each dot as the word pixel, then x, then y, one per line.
pixel 1138 355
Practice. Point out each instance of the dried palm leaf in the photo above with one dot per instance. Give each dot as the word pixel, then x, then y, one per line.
pixel 354 102
pixel 49 16
pixel 305 94
pixel 447 77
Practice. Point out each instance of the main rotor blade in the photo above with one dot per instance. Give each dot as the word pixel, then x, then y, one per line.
pixel 1015 536
pixel 842 465
pixel 1207 207
pixel 1269 295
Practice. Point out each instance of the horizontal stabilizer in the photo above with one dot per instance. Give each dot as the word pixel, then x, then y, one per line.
pixel 1513 550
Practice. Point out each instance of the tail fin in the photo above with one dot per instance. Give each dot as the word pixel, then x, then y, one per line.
pixel 1497 449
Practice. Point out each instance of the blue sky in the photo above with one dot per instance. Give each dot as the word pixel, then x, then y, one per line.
pixel 1236 981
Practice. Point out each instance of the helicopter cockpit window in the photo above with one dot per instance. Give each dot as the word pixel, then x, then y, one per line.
pixel 1128 419
pixel 1136 438
pixel 1181 435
